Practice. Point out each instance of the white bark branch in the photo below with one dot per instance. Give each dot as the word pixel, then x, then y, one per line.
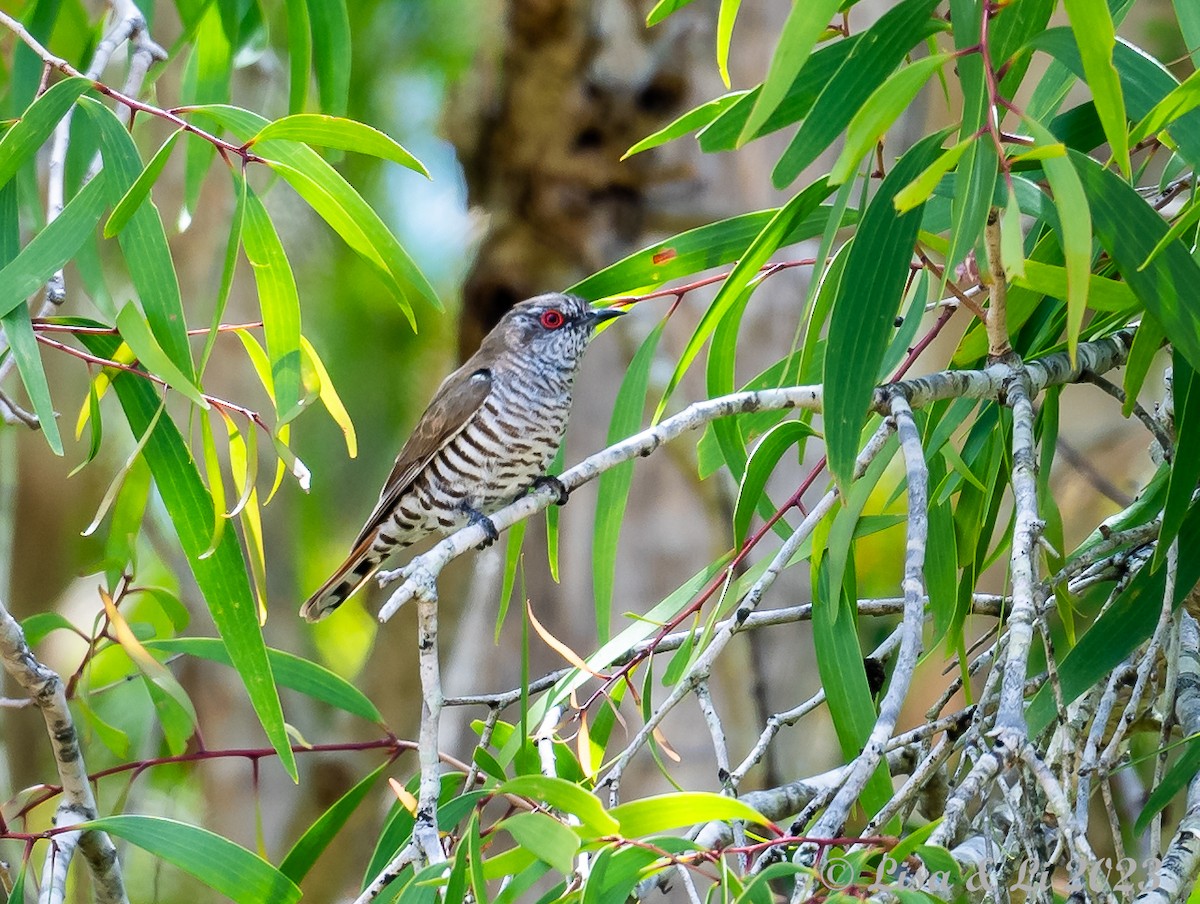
pixel 78 805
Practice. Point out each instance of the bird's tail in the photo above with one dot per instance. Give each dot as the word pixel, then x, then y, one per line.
pixel 358 568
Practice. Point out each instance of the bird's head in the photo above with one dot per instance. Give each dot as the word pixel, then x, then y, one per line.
pixel 553 329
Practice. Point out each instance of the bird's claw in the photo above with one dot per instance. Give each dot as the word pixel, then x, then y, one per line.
pixel 477 517
pixel 561 493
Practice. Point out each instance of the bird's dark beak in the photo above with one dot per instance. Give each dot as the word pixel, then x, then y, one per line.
pixel 598 315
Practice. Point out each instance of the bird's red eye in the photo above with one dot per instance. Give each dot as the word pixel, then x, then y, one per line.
pixel 552 319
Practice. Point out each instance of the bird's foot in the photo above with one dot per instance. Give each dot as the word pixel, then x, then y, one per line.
pixel 474 516
pixel 561 493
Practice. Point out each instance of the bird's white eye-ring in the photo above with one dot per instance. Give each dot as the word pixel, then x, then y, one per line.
pixel 552 319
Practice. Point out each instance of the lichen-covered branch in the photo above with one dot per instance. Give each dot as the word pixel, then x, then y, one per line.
pixel 78 805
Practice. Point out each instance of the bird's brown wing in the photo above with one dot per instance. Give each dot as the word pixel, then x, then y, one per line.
pixel 456 401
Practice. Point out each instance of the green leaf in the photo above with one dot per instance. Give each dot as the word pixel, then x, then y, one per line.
pixel 331 52
pixel 336 201
pixel 759 469
pixel 18 328
pixel 1182 99
pixel 688 122
pixel 140 190
pixel 662 9
pixel 39 625
pixel 869 63
pixel 1075 227
pixel 565 796
pixel 651 815
pixel 612 493
pixel 726 16
pixel 1103 294
pixel 804 26
pixel 30 132
pixel 1182 771
pixel 279 301
pixel 344 134
pixel 1122 627
pixel 692 251
pixel 1185 465
pixel 918 191
pixel 882 109
pixel 1096 38
pixel 1146 342
pixel 299 41
pixel 50 250
pixel 1188 15
pixel 1129 229
pixel 136 334
pixel 546 838
pixel 766 243
pixel 220 864
pixel 304 853
pixel 143 240
pixel 290 670
pixel 840 665
pixel 865 309
pixel 221 576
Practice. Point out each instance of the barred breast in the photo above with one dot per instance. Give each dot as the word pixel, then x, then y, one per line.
pixel 505 446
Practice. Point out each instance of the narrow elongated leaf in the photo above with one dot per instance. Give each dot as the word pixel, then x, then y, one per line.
pixel 613 491
pixel 697 249
pixel 18 329
pixel 1185 465
pixel 725 19
pixel 331 53
pixel 49 250
pixel 1146 343
pixel 1075 225
pixel 803 27
pixel 30 132
pixel 140 190
pixel 221 576
pixel 756 255
pixel 690 121
pixel 1096 37
pixel 867 66
pixel 336 201
pixel 662 9
pixel 217 862
pixel 761 466
pixel 1129 230
pixel 1188 15
pixel 279 301
pixel 865 308
pixel 143 240
pixel 882 109
pixel 290 670
pixel 1182 771
pixel 565 796
pixel 1103 294
pixel 652 815
pixel 328 396
pixel 299 40
pixel 136 334
pixel 304 853
pixel 840 664
pixel 344 134
pixel 919 190
pixel 1123 626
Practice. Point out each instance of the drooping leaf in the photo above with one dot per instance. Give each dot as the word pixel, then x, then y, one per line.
pixel 217 862
pixel 279 301
pixel 336 132
pixel 865 308
pixel 22 140
pixel 221 576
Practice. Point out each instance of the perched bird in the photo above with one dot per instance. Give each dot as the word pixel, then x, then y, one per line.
pixel 485 439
